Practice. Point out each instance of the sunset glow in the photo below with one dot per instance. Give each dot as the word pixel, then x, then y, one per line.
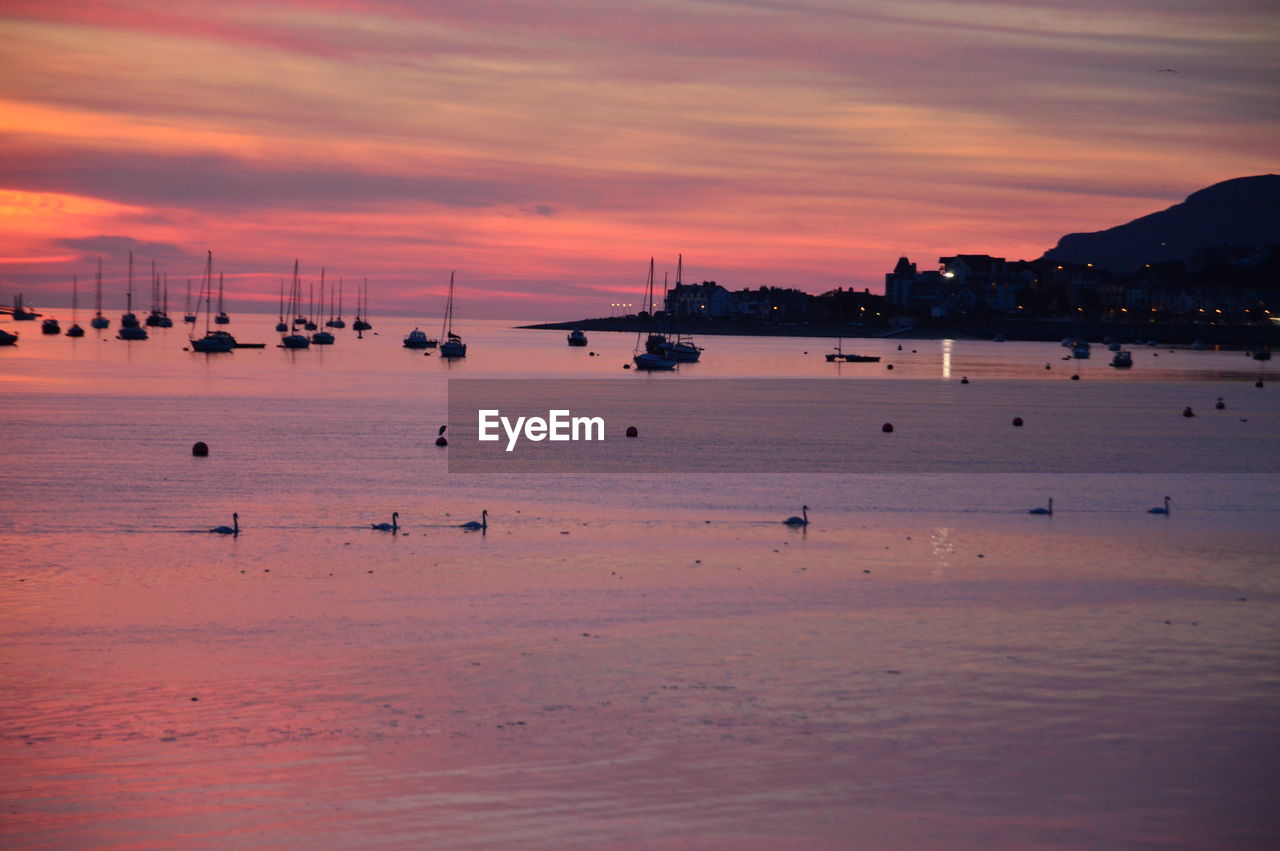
pixel 546 151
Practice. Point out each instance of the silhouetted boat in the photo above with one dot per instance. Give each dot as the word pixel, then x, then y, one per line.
pixel 20 313
pixel 362 308
pixel 213 342
pixel 650 360
pixel 320 338
pixel 7 339
pixel 577 337
pixel 295 340
pixel 452 347
pixel 75 330
pixel 1122 359
pixel 129 320
pixel 222 318
pixel 98 320
pixel 50 326
pixel 335 321
pixel 418 339
pixel 1080 350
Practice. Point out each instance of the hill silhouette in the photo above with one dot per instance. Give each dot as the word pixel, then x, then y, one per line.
pixel 1243 211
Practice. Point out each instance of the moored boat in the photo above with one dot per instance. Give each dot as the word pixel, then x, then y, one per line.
pixel 577 337
pixel 1122 359
pixel 452 347
pixel 418 339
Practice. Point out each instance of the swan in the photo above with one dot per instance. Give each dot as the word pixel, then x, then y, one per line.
pixel 799 521
pixel 483 523
pixel 1042 510
pixel 1158 509
pixel 233 529
pixel 388 527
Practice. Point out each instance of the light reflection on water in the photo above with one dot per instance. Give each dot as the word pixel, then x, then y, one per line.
pixel 924 666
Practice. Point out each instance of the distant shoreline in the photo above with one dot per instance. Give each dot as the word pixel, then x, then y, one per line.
pixel 1044 330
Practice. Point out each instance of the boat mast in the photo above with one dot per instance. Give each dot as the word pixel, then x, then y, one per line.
pixel 208 292
pixel 97 299
pixel 75 297
pixel 129 297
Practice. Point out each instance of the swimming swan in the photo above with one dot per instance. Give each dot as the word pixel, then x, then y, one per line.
pixel 799 521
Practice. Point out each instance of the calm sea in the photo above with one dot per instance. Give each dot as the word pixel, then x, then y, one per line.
pixel 636 660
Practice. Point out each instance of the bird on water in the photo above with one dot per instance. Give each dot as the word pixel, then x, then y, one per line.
pixel 1160 510
pixel 388 527
pixel 233 529
pixel 1043 510
pixel 799 521
pixel 482 523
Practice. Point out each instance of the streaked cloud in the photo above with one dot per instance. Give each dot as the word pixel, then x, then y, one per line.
pixel 549 149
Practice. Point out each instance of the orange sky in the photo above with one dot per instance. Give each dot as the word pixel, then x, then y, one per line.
pixel 546 150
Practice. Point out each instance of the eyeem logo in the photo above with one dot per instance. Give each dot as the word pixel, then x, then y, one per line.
pixel 559 425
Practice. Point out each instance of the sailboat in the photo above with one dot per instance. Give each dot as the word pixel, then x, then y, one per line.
pixel 213 341
pixel 452 347
pixel 295 340
pixel 165 321
pixel 153 318
pixel 321 338
pixel 98 320
pixel 75 330
pixel 129 327
pixel 676 347
pixel 281 327
pixel 336 322
pixel 650 359
pixel 362 307
pixel 222 318
pixel 20 313
pixel 187 316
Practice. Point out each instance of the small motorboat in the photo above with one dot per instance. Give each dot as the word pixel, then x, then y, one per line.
pixel 1122 359
pixel 322 338
pixel 7 339
pixel 295 341
pixel 577 338
pixel 1080 350
pixel 50 326
pixel 418 339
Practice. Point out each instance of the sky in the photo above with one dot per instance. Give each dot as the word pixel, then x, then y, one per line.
pixel 546 150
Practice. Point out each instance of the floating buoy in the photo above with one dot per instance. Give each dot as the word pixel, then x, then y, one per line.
pixel 1017 421
pixel 899 348
pixel 200 449
pixel 1221 406
pixel 632 431
pixel 626 366
pixel 1046 366
pixel 887 428
pixel 1258 383
pixel 1187 412
pixel 441 440
pixel 1075 378
pixel 890 366
pixel 964 380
